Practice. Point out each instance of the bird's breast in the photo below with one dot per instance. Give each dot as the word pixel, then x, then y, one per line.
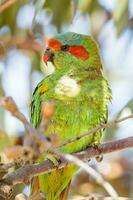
pixel 67 87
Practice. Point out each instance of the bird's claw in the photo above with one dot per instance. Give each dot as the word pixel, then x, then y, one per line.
pixel 98 158
pixel 53 157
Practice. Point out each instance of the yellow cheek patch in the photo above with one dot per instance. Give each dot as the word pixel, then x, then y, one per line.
pixel 43 88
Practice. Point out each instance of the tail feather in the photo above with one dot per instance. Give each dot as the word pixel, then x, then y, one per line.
pixel 64 193
pixel 55 185
pixel 35 185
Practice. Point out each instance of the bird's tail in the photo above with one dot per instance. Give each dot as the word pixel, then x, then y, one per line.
pixel 36 188
pixel 64 193
pixel 55 185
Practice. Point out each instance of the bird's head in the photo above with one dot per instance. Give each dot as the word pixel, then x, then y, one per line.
pixel 68 50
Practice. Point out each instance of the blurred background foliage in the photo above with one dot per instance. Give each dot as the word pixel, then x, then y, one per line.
pixel 25 26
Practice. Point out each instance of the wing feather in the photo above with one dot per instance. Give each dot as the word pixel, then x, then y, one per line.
pixel 36 103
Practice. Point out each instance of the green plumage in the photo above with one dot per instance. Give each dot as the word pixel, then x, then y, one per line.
pixel 73 115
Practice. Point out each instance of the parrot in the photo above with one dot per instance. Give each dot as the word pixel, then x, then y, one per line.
pixel 74 95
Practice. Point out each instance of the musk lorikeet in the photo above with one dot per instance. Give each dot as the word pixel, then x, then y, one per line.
pixel 78 94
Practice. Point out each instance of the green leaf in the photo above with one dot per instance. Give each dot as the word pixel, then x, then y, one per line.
pixel 8 16
pixel 4 140
pixel 61 10
pixel 120 16
pixel 87 6
pixel 36 61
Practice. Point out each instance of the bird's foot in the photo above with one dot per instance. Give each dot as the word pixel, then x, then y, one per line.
pixel 98 158
pixel 53 157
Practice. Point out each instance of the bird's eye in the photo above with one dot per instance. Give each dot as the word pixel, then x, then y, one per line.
pixel 64 47
pixel 47 49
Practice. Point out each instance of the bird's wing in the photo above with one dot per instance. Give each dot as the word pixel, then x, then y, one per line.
pixel 36 103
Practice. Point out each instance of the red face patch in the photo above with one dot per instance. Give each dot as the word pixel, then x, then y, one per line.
pixel 79 52
pixel 55 44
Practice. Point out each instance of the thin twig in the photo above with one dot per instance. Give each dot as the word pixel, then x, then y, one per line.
pixel 28 43
pixel 24 174
pixel 94 130
pixel 6 5
pixel 93 173
pixel 9 104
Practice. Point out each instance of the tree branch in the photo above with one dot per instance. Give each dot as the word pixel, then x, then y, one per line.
pixel 28 43
pixel 24 174
pixel 9 104
pixel 94 130
pixel 32 136
pixel 6 4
